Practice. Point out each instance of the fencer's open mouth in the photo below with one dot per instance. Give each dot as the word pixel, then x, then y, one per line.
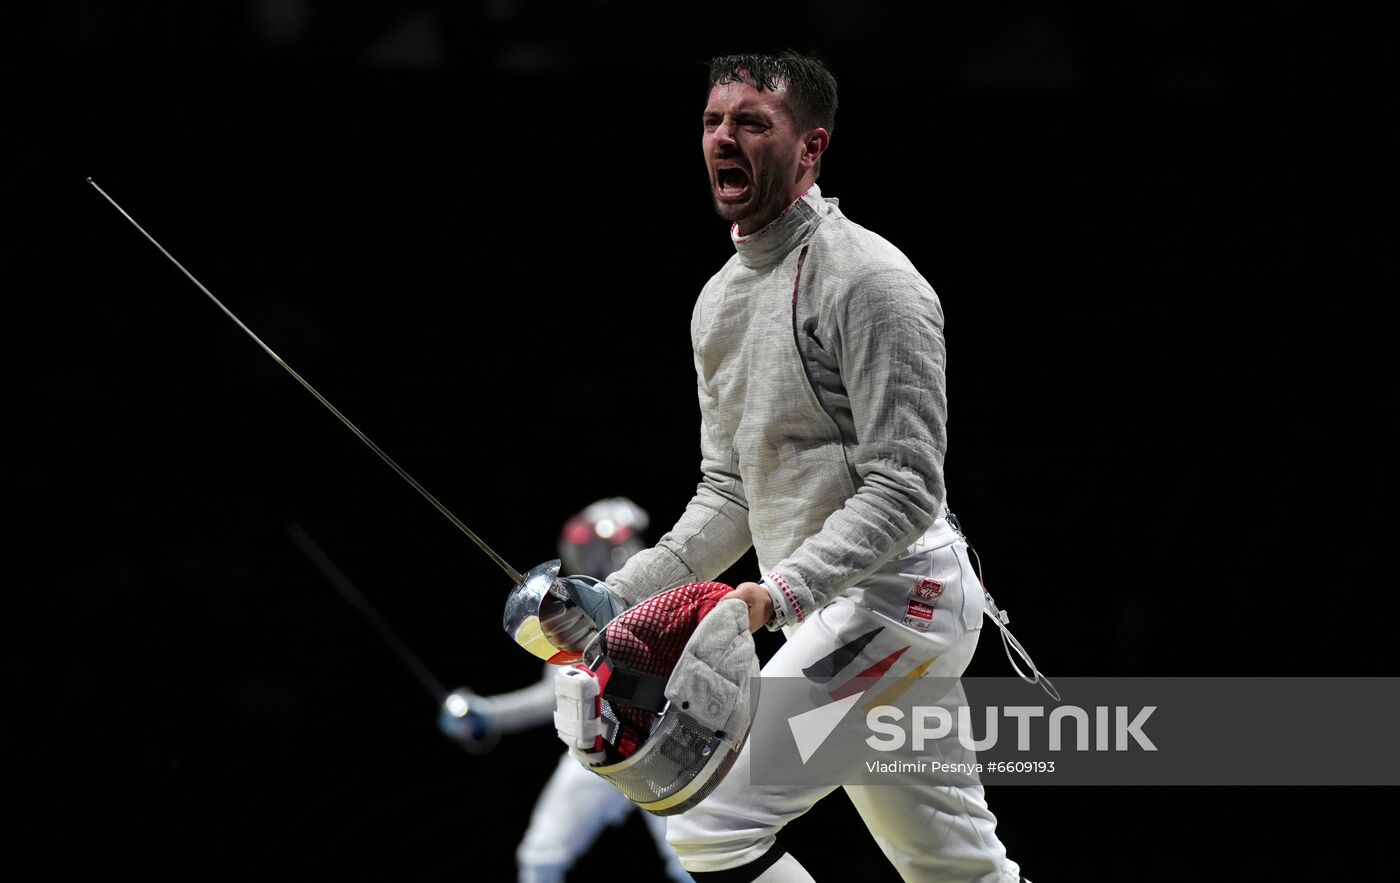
pixel 731 183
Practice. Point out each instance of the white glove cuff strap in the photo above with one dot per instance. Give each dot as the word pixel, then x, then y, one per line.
pixel 576 708
pixel 783 611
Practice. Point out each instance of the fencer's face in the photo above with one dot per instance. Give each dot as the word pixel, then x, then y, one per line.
pixel 754 154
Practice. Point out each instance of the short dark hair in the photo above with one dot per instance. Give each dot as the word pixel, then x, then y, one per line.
pixel 811 89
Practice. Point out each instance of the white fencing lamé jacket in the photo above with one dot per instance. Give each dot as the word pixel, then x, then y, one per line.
pixel 819 360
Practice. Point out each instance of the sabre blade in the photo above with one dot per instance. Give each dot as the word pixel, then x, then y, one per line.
pixel 500 562
pixel 357 600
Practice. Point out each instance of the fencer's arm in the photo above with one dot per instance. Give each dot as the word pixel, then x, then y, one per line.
pixel 886 333
pixel 503 713
pixel 713 532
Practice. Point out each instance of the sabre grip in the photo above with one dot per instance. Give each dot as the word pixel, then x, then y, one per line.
pixel 574 611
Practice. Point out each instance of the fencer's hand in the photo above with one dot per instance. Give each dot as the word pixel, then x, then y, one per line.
pixel 760 603
pixel 466 719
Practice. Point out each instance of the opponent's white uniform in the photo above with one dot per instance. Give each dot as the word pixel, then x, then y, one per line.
pixel 820 367
pixel 575 807
pixel 571 813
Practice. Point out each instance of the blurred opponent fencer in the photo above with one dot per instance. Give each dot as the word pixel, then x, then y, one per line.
pixel 576 805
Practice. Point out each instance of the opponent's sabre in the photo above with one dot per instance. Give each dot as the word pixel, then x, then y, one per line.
pixel 356 599
pixel 454 708
pixel 550 616
pixel 510 571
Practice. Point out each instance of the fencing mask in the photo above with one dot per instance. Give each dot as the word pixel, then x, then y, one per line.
pixel 660 704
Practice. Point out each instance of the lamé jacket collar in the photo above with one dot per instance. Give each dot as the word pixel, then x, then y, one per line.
pixel 766 246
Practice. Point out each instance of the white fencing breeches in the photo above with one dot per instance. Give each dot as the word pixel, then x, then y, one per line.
pixel 928 831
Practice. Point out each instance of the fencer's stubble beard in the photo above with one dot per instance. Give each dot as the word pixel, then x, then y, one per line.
pixel 769 197
pixel 734 214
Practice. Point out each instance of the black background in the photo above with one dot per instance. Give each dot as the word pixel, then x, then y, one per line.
pixel 1161 236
